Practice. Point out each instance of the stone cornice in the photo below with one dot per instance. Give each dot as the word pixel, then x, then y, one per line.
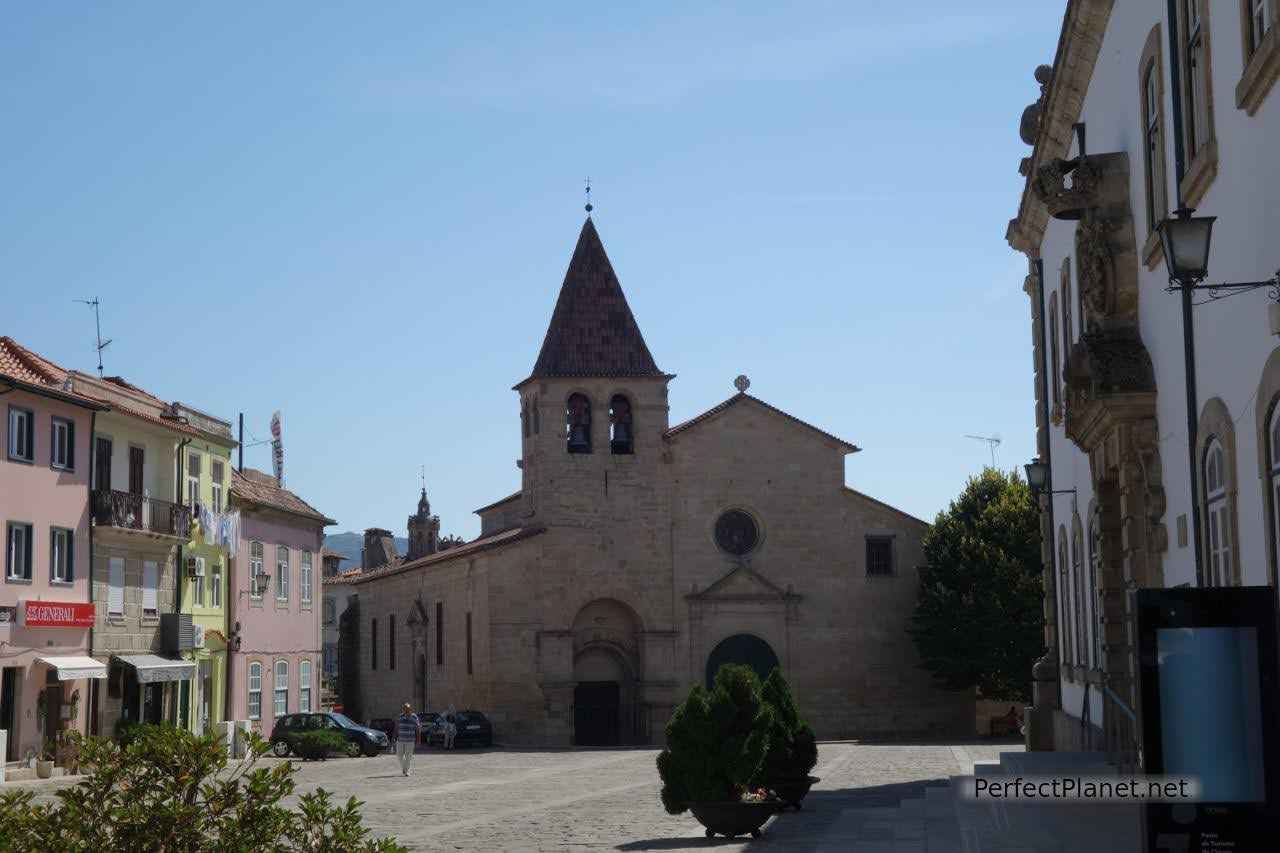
pixel 1083 27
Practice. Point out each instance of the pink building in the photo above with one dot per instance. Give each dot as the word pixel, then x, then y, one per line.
pixel 46 611
pixel 275 600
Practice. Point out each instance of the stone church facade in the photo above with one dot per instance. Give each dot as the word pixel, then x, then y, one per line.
pixel 637 557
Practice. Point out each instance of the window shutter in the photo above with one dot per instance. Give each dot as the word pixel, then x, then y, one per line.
pixel 115 586
pixel 150 579
pixel 71 444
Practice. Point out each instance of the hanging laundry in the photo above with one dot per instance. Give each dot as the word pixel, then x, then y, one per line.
pixel 208 524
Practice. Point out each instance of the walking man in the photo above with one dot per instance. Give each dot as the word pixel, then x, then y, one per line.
pixel 406 738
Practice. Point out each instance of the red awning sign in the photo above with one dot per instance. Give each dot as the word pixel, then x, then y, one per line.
pixel 57 614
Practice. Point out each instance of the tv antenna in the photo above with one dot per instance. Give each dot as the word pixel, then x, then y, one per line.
pixel 992 442
pixel 97 325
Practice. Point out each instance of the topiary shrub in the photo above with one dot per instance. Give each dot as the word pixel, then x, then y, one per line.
pixel 793 749
pixel 318 744
pixel 716 741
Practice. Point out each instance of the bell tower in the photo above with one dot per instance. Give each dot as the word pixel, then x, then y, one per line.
pixel 594 409
pixel 424 530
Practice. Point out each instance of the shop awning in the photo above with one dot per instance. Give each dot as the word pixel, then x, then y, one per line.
pixel 71 667
pixel 155 668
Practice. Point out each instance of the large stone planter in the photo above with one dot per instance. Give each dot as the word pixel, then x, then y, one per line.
pixel 44 769
pixel 731 819
pixel 791 793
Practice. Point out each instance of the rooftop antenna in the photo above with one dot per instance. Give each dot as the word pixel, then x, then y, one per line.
pixel 97 325
pixel 589 207
pixel 992 441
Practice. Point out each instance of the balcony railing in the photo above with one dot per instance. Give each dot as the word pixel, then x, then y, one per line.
pixel 128 511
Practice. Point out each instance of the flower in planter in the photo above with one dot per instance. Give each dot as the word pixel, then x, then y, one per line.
pixel 759 795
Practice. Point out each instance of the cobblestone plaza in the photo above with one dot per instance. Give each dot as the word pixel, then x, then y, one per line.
pixel 511 799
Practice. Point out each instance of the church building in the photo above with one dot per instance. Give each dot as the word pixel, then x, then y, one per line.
pixel 637 557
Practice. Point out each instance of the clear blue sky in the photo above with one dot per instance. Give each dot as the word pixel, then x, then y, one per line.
pixel 360 214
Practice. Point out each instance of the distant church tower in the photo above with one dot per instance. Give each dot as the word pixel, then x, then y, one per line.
pixel 424 530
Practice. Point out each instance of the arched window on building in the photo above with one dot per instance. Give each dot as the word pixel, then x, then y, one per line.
pixel 1273 469
pixel 280 687
pixel 1079 599
pixel 620 438
pixel 524 419
pixel 1217 523
pixel 304 686
pixel 1066 652
pixel 1054 371
pixel 578 423
pixel 1095 569
pixel 255 691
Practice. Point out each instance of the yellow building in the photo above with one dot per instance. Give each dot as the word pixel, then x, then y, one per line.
pixel 205 473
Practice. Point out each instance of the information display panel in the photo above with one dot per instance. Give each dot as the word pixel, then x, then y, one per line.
pixel 1209 708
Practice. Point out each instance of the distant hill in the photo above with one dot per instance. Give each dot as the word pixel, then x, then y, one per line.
pixel 349 544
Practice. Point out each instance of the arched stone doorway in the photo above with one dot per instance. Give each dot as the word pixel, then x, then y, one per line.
pixel 745 649
pixel 606 675
pixel 418 638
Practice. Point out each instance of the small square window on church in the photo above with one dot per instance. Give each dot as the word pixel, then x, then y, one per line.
pixel 879 555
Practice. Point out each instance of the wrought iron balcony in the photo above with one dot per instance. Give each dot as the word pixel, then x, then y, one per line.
pixel 127 511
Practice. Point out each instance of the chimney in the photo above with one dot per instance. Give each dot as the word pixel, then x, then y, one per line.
pixel 379 548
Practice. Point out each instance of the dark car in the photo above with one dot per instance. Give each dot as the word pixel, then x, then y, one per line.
pixel 428 720
pixel 360 739
pixel 386 725
pixel 470 728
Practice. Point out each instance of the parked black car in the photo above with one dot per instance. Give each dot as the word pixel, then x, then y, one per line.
pixel 428 720
pixel 360 739
pixel 471 728
pixel 386 725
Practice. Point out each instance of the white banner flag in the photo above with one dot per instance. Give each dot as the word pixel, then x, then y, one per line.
pixel 277 449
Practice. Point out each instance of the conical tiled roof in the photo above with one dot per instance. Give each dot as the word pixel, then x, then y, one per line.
pixel 592 331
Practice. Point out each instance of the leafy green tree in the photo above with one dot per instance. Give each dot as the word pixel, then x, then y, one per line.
pixel 169 791
pixel 716 741
pixel 979 619
pixel 793 749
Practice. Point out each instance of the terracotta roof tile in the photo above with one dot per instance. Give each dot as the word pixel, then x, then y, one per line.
pixel 738 398
pixel 487 543
pixel 592 330
pixel 24 365
pixel 325 552
pixel 250 486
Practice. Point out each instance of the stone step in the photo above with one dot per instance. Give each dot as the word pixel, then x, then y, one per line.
pixel 1055 763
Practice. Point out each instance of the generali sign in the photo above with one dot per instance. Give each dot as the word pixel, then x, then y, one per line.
pixel 56 614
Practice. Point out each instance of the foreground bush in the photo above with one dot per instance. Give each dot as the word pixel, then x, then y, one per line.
pixel 318 744
pixel 716 741
pixel 793 749
pixel 168 791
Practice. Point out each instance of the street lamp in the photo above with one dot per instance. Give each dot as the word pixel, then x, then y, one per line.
pixel 1185 240
pixel 1038 477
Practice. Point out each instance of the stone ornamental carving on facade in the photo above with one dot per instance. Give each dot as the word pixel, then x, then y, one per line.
pixel 1095 266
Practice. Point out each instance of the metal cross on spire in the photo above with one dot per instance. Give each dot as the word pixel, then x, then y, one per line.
pixel 589 207
pixel 422 471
